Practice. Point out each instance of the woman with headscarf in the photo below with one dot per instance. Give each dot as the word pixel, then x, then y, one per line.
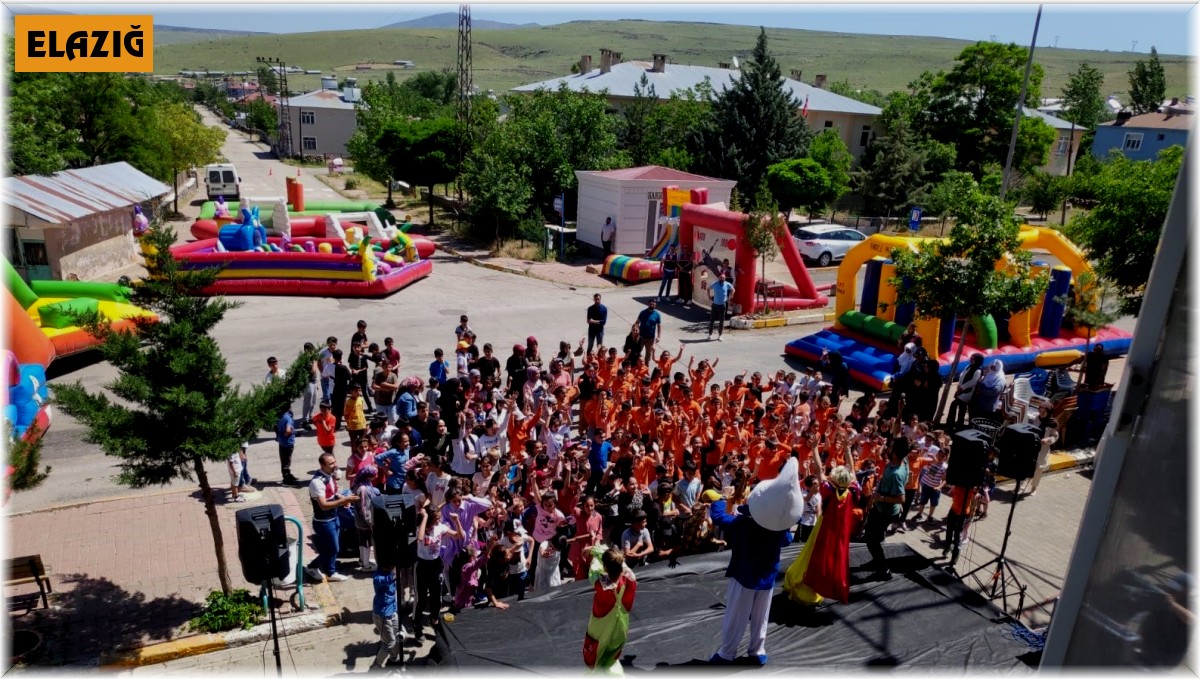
pixel 925 384
pixel 823 567
pixel 983 402
pixel 905 360
pixel 967 382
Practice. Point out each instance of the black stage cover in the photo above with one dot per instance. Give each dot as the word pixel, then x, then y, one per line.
pixel 921 618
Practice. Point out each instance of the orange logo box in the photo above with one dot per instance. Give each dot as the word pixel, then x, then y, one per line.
pixel 93 43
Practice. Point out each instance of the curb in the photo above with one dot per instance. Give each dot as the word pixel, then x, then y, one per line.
pixel 1063 461
pixel 477 262
pixel 208 643
pixel 743 323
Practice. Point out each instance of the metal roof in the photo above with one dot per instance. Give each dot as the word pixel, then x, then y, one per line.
pixel 73 194
pixel 1154 121
pixel 1056 123
pixel 322 99
pixel 653 173
pixel 622 77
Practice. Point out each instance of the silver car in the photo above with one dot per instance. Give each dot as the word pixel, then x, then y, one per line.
pixel 824 243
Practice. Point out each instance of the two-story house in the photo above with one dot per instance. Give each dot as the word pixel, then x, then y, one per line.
pixel 323 121
pixel 1142 137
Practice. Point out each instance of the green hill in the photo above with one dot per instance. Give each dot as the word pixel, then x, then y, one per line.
pixel 506 58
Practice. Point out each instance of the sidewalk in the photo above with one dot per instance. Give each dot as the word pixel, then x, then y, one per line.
pixel 130 572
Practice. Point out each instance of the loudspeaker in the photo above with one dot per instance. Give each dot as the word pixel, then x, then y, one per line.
pixel 968 458
pixel 394 530
pixel 262 543
pixel 1018 448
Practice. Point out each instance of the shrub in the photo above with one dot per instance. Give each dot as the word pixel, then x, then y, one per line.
pixel 222 613
pixel 351 184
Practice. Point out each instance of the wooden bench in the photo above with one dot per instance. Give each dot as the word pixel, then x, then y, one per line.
pixel 24 570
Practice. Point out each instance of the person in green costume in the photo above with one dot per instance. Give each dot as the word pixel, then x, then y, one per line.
pixel 615 588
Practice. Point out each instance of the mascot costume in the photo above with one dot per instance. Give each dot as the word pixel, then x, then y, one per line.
pixel 755 536
pixel 615 588
pixel 823 567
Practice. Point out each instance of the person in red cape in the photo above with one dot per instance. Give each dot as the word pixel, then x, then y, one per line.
pixel 823 567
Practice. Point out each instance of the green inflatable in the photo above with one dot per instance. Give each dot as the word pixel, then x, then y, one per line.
pixel 986 334
pixel 110 292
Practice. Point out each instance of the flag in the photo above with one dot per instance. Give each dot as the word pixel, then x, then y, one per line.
pixel 804 111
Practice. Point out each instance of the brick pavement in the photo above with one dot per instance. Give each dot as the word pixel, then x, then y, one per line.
pixel 128 571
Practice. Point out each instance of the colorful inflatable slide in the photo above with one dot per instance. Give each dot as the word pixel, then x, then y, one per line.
pixel 359 257
pixel 39 315
pixel 649 268
pixel 867 337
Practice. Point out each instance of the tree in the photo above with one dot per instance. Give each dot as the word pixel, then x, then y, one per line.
pixel 268 82
pixel 1147 85
pixel 1034 139
pixel 972 105
pixel 957 277
pixel 800 183
pixel 678 122
pixel 848 89
pixel 1090 308
pixel 179 139
pixel 175 407
pixel 1045 192
pixel 760 229
pixel 1120 235
pixel 634 132
pixel 1083 104
pixel 500 191
pixel 893 175
pixel 262 117
pixel 828 149
pixel 421 152
pixel 754 123
pixel 24 459
pixel 947 196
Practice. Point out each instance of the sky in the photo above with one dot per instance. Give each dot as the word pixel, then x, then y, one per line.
pixel 1113 27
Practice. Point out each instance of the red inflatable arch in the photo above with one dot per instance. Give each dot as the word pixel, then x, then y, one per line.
pixel 802 295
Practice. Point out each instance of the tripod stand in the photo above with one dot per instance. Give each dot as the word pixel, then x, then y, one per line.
pixel 1002 570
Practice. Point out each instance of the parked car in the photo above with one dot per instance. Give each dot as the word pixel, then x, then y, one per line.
pixel 824 243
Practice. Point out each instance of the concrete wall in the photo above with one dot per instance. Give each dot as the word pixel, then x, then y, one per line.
pixel 628 203
pixel 849 126
pixel 1109 138
pixel 1058 162
pixel 332 129
pixel 93 246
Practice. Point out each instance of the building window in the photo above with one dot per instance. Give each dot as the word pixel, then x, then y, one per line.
pixel 864 137
pixel 1064 145
pixel 310 143
pixel 1133 141
pixel 308 117
pixel 828 124
pixel 1162 137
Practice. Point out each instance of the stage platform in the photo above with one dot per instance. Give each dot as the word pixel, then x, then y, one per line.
pixel 922 618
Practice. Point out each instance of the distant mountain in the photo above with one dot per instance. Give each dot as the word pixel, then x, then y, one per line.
pixel 450 20
pixel 164 35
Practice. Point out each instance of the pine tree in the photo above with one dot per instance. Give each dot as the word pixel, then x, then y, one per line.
pixel 1147 85
pixel 754 123
pixel 1082 102
pixel 176 407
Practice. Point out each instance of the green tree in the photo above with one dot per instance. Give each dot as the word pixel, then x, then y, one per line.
pixel 262 117
pixel 760 229
pixel 893 175
pixel 1083 104
pixel 268 82
pixel 755 123
pixel 635 135
pixel 1147 85
pixel 422 152
pixel 1120 235
pixel 439 87
pixel 957 277
pixel 173 407
pixel 946 197
pixel 500 191
pixel 678 122
pixel 828 149
pixel 24 458
pixel 800 183
pixel 972 105
pixel 1044 192
pixel 866 96
pixel 180 140
pixel 1091 307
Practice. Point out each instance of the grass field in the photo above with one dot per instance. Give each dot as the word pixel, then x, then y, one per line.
pixel 506 58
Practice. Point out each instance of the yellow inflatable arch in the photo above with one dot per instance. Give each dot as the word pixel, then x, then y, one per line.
pixel 881 245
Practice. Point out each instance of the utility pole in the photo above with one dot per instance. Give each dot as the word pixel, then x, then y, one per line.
pixel 1012 142
pixel 285 112
pixel 465 85
pixel 1070 157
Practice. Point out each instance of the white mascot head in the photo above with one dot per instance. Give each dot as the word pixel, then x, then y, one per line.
pixel 777 504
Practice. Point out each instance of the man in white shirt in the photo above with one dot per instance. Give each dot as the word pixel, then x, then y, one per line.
pixel 608 233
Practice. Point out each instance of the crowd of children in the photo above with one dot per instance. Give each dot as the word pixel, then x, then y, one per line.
pixel 522 469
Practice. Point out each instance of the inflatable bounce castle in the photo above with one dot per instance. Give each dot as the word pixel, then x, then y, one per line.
pixel 26 407
pixel 867 336
pixel 649 268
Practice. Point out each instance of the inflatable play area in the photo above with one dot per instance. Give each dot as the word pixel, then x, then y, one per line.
pixel 26 404
pixel 355 256
pixel 649 268
pixel 39 315
pixel 867 336
pixel 713 235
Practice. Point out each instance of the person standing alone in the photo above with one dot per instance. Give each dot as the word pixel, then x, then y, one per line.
pixel 597 316
pixel 608 234
pixel 719 293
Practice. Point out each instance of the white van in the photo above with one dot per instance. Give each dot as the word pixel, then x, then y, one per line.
pixel 222 180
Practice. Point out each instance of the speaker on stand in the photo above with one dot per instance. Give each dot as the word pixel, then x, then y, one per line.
pixel 1017 449
pixel 394 532
pixel 263 553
